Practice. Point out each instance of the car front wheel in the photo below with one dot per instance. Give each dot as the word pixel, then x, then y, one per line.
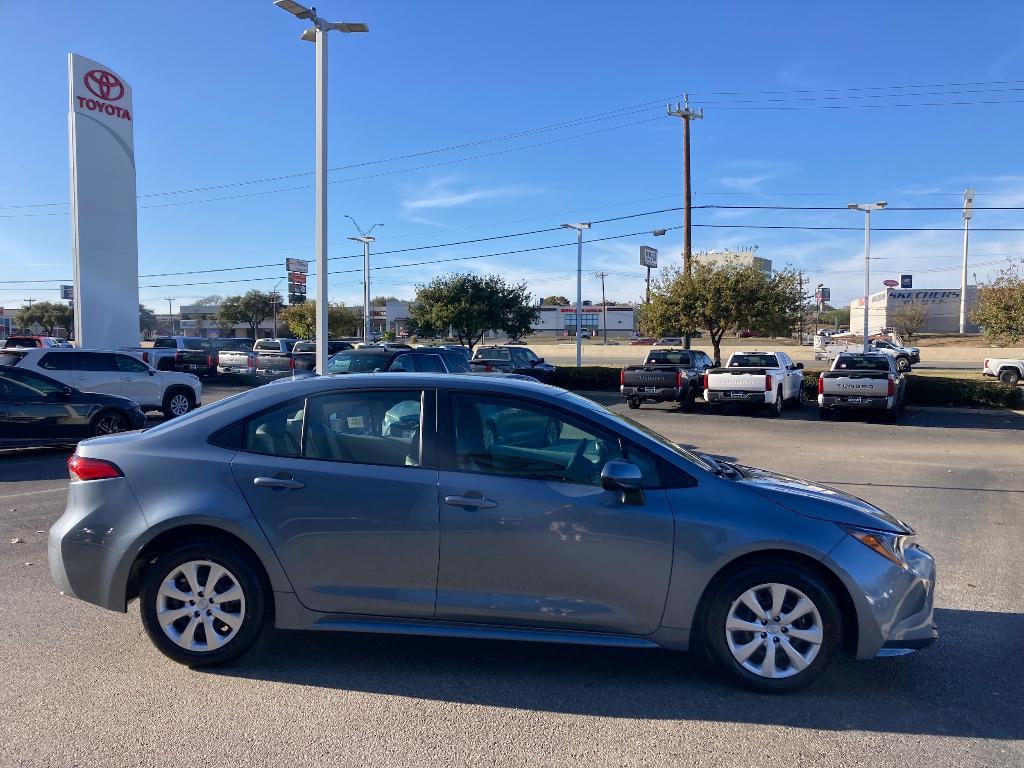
pixel 774 627
pixel 202 604
pixel 109 423
pixel 178 402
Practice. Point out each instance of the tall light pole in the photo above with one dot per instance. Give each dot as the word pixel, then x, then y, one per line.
pixel 318 34
pixel 275 299
pixel 579 286
pixel 365 239
pixel 686 115
pixel 968 205
pixel 867 208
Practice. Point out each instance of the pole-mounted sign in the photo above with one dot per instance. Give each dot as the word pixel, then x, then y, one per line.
pixel 648 257
pixel 104 235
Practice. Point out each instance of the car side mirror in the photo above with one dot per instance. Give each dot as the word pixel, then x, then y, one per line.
pixel 152 372
pixel 67 391
pixel 539 360
pixel 624 477
pixel 799 366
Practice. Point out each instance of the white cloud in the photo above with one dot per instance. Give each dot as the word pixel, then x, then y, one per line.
pixel 444 193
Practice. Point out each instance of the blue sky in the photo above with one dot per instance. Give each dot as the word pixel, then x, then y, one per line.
pixel 226 95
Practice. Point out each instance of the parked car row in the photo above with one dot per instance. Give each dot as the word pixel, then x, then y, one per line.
pixel 766 380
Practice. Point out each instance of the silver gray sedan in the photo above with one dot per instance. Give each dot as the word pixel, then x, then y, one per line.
pixel 478 507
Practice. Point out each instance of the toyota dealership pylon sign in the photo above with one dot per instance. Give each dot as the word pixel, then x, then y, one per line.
pixel 104 232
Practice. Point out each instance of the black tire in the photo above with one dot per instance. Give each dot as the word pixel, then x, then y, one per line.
pixel 903 364
pixel 713 622
pixel 173 402
pixel 716 408
pixel 775 409
pixel 1009 376
pixel 253 611
pixel 686 404
pixel 825 414
pixel 108 422
pixel 633 403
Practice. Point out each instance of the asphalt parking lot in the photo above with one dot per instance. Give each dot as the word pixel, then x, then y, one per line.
pixel 83 686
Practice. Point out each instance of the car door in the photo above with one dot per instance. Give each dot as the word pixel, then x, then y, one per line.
pixel 345 489
pixel 38 410
pixel 137 380
pixel 95 372
pixel 527 534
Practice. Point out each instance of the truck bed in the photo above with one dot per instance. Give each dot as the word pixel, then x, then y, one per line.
pixel 737 379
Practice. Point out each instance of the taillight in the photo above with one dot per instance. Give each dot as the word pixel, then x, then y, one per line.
pixel 84 468
pixel 250 361
pixel 892 387
pixel 767 383
pixel 986 363
pixel 821 385
pixel 706 381
pixel 145 357
pixel 679 379
pixel 622 377
pixel 291 363
pixel 209 359
pixel 177 356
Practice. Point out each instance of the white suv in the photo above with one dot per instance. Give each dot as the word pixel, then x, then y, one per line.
pixel 113 373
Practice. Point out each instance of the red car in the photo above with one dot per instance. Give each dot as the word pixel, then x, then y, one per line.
pixel 34 342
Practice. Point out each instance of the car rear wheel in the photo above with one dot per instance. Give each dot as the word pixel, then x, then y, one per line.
pixel 688 401
pixel 775 627
pixel 202 604
pixel 633 403
pixel 1009 376
pixel 775 409
pixel 178 402
pixel 109 423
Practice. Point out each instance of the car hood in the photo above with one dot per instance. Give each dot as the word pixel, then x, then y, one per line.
pixel 114 400
pixel 819 501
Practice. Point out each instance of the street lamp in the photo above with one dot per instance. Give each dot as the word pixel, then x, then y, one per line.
pixel 365 239
pixel 579 286
pixel 318 34
pixel 867 208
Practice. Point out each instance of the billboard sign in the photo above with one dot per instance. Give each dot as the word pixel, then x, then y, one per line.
pixel 104 236
pixel 890 283
pixel 648 257
pixel 906 281
pixel 67 293
pixel 296 265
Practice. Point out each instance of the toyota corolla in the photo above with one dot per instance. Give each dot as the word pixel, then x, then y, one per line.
pixel 478 507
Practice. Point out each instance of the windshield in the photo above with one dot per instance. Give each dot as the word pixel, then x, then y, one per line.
pixel 358 362
pixel 193 343
pixel 492 354
pixel 753 361
pixel 636 426
pixel 862 363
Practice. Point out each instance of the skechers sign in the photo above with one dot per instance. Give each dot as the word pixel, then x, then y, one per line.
pixel 105 87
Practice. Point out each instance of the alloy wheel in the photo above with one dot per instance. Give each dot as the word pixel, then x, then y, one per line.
pixel 200 606
pixel 179 404
pixel 774 631
pixel 111 424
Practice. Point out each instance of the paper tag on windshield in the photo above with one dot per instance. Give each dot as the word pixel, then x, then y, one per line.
pixel 355 422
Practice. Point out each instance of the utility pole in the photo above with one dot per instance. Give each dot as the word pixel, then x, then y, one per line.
pixel 604 307
pixel 686 115
pixel 800 317
pixel 867 208
pixel 579 287
pixel 968 205
pixel 170 316
pixel 30 302
pixel 365 239
pixel 275 299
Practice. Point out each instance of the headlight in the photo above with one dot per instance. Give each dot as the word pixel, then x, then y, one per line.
pixel 888 545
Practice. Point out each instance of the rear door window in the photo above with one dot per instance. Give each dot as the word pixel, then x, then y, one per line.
pixel 94 361
pixel 277 432
pixel 129 364
pixel 380 428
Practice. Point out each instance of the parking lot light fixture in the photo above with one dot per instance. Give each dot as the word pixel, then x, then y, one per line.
pixel 579 286
pixel 365 239
pixel 867 208
pixel 318 35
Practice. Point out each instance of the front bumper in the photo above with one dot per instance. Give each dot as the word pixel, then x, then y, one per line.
pixel 747 398
pixel 865 404
pixel 895 606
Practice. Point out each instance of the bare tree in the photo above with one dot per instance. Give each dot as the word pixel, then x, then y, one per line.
pixel 909 319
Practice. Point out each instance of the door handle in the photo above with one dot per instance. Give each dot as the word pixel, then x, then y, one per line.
pixel 470 501
pixel 277 482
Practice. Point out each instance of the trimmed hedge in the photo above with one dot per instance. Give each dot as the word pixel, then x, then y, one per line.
pixel 947 391
pixel 921 390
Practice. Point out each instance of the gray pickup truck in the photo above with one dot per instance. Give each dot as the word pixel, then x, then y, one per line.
pixel 274 357
pixel 667 375
pixel 862 382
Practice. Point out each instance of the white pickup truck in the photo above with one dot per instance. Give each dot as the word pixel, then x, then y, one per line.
pixel 768 379
pixel 862 381
pixel 1007 370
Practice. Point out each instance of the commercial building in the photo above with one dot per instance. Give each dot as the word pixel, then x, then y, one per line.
pixel 742 258
pixel 560 321
pixel 941 304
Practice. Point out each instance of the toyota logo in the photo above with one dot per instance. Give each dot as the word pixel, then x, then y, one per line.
pixel 104 85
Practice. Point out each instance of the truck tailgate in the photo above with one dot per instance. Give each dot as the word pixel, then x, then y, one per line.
pixel 661 377
pixel 858 383
pixel 737 379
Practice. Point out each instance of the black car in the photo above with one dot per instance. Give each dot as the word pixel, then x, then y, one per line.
pixel 36 410
pixel 304 352
pixel 424 359
pixel 511 359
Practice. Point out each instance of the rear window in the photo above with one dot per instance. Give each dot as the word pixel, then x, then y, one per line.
pixel 355 362
pixel 493 354
pixel 235 346
pixel 862 363
pixel 22 341
pixel 669 358
pixel 753 361
pixel 304 346
pixel 456 362
pixel 197 343
pixel 267 346
pixel 165 344
pixel 11 358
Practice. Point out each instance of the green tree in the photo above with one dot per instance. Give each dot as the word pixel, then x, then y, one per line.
pixel 720 298
pixel 48 315
pixel 147 319
pixel 301 320
pixel 380 301
pixel 251 308
pixel 471 305
pixel 557 301
pixel 999 307
pixel 908 319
